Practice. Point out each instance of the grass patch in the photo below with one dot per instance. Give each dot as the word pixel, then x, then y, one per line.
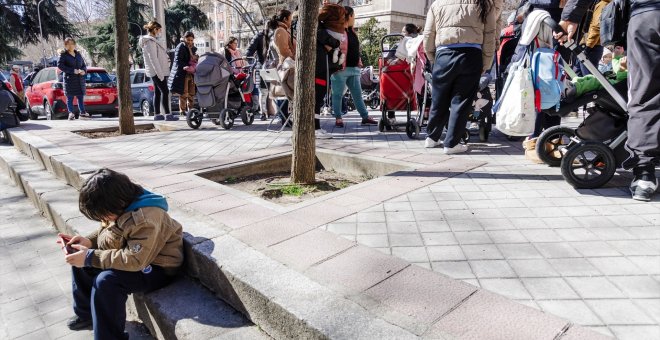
pixel 293 190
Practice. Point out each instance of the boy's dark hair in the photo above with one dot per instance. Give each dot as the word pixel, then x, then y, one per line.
pixel 107 192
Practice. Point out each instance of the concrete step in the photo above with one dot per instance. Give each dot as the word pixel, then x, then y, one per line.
pixel 182 310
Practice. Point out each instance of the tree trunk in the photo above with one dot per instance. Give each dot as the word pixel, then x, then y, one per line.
pixel 303 161
pixel 126 122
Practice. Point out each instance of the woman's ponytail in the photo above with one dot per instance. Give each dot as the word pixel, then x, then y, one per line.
pixel 485 6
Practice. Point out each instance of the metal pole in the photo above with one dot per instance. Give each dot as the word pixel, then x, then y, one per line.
pixel 41 32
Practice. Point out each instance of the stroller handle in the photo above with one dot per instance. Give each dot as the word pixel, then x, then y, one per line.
pixel 382 41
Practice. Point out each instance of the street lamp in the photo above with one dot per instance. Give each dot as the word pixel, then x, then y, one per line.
pixel 41 32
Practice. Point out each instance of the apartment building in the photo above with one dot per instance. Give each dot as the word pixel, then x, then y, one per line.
pixel 391 14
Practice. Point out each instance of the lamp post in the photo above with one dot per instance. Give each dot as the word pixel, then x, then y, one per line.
pixel 41 32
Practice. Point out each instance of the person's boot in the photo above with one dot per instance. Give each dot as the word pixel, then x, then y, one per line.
pixel 76 323
pixel 644 184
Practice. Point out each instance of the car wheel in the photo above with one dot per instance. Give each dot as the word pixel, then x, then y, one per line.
pixel 145 108
pixel 48 110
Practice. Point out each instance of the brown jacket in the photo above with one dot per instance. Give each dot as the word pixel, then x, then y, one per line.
pixel 457 21
pixel 138 239
pixel 283 44
pixel 593 36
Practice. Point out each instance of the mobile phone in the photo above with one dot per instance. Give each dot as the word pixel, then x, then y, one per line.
pixel 67 249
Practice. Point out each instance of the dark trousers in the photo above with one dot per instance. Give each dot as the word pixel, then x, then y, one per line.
pixel 594 54
pixel 161 95
pixel 320 92
pixel 100 295
pixel 643 90
pixel 456 76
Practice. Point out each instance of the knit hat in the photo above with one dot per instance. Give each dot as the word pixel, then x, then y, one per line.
pixel 333 17
pixel 606 52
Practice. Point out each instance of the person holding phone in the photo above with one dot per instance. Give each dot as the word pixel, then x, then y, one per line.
pixel 73 67
pixel 138 248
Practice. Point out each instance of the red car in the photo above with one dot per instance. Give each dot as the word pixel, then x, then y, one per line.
pixel 45 95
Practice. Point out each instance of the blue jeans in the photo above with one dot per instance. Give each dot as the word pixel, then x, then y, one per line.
pixel 100 296
pixel 81 103
pixel 350 77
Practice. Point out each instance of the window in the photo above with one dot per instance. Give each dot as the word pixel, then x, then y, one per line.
pixel 97 77
pixel 139 78
pixel 39 77
pixel 52 75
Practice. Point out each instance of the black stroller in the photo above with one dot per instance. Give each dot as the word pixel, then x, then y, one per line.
pixel 589 155
pixel 12 111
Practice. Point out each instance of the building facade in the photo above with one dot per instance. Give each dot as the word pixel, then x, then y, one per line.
pixel 391 14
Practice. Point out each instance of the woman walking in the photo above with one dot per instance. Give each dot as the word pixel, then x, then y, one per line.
pixel 156 64
pixel 460 36
pixel 284 45
pixel 349 76
pixel 72 64
pixel 181 79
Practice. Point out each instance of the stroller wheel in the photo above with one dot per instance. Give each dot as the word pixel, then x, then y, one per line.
pixel 247 117
pixel 552 142
pixel 374 104
pixel 226 119
pixel 588 165
pixel 466 137
pixel 412 129
pixel 484 130
pixel 381 125
pixel 194 118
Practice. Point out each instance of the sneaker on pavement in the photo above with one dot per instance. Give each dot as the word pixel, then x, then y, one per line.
pixel 159 117
pixel 369 121
pixel 72 116
pixel 76 323
pixel 171 117
pixel 430 143
pixel 459 148
pixel 322 134
pixel 85 115
pixel 643 188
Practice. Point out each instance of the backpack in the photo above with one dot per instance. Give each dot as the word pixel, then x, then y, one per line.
pixel 547 77
pixel 614 23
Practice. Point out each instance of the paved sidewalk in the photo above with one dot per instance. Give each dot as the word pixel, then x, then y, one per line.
pixel 510 226
pixel 35 282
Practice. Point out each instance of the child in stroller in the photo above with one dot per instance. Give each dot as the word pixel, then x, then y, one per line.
pixel 222 95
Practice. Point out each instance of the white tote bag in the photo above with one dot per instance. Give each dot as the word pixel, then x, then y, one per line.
pixel 516 115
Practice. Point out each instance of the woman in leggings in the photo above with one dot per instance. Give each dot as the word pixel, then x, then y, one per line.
pixel 157 66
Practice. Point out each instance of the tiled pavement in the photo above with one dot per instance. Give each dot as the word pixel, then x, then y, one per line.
pixel 35 282
pixel 510 226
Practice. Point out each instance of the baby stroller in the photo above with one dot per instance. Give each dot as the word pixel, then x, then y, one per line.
pixel 12 111
pixel 396 87
pixel 590 154
pixel 222 95
pixel 370 87
pixel 480 120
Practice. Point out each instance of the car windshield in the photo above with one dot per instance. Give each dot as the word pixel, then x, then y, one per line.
pixel 97 77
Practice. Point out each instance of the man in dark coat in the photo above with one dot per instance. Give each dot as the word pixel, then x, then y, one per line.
pixel 181 79
pixel 73 68
pixel 643 89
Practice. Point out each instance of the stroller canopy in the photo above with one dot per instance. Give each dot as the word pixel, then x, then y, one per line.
pixel 212 79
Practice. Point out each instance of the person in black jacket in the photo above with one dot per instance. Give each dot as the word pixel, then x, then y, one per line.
pixel 73 67
pixel 643 38
pixel 181 79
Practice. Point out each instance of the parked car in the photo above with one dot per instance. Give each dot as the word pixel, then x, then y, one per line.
pixel 142 93
pixel 45 96
pixel 5 80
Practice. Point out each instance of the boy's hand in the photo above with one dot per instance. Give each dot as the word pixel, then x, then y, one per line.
pixel 83 241
pixel 77 259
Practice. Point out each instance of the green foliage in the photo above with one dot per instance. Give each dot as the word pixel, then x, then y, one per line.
pixel 293 190
pixel 370 35
pixel 19 25
pixel 182 17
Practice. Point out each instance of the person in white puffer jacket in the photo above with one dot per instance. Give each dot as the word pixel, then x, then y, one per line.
pixel 157 67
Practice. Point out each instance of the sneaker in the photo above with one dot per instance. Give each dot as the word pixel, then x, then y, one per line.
pixel 459 148
pixel 72 116
pixel 369 121
pixel 643 188
pixel 322 134
pixel 339 123
pixel 159 116
pixel 171 117
pixel 392 121
pixel 76 323
pixel 430 143
pixel 85 115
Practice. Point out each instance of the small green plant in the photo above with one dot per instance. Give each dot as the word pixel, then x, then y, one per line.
pixel 343 184
pixel 231 179
pixel 293 190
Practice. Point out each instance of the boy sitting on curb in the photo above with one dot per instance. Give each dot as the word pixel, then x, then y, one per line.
pixel 138 248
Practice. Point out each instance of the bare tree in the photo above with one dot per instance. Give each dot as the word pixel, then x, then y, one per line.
pixel 84 13
pixel 303 162
pixel 126 122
